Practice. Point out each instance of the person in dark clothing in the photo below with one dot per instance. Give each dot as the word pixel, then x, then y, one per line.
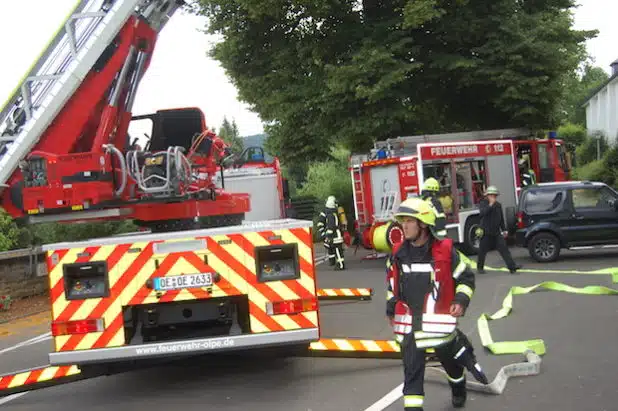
pixel 430 191
pixel 493 230
pixel 429 285
pixel 331 230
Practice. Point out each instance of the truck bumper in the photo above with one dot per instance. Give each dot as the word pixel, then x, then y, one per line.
pixel 185 347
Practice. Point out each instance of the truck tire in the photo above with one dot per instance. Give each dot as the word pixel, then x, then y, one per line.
pixel 544 247
pixel 471 240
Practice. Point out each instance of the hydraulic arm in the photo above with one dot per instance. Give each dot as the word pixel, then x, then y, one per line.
pixel 65 151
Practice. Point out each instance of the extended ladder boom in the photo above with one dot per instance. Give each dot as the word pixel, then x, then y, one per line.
pixel 61 69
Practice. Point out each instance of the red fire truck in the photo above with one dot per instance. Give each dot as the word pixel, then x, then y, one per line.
pixel 202 280
pixel 464 163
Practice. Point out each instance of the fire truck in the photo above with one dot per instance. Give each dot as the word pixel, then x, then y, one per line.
pixel 203 280
pixel 464 164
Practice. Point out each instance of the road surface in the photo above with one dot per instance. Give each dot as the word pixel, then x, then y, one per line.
pixel 578 371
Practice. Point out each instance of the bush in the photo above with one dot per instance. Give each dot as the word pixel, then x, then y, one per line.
pixel 330 177
pixel 604 170
pixel 572 133
pixel 587 151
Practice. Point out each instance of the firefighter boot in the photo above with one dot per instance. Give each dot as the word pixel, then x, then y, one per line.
pixel 459 394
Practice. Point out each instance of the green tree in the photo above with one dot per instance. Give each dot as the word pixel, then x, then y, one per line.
pixel 323 71
pixel 578 86
pixel 9 232
pixel 229 133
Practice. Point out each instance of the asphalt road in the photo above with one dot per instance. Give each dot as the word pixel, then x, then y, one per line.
pixel 578 371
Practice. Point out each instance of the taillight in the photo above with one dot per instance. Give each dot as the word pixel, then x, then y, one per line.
pixel 291 306
pixel 520 220
pixel 77 327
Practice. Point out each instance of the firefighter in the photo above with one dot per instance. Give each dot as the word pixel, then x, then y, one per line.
pixel 330 228
pixel 527 177
pixel 493 231
pixel 429 192
pixel 429 286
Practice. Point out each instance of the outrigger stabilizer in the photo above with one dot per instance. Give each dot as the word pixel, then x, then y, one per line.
pixel 42 377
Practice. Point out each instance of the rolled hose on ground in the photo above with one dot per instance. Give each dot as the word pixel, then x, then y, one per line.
pixel 384 236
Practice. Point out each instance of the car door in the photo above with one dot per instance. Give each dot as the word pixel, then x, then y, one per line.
pixel 594 215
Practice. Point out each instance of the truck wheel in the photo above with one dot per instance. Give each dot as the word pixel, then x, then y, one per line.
pixel 544 247
pixel 472 241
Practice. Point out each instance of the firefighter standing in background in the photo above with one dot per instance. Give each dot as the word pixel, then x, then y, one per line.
pixel 330 227
pixel 527 177
pixel 492 231
pixel 429 285
pixel 429 192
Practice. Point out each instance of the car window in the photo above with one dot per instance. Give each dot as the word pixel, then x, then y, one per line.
pixel 542 201
pixel 598 198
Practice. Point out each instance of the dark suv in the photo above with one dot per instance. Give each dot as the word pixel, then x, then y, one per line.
pixel 552 216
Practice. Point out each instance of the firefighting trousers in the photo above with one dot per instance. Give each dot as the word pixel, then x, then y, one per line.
pixel 335 254
pixel 414 371
pixel 494 242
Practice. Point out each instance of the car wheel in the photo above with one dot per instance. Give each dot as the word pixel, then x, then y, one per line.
pixel 472 241
pixel 544 247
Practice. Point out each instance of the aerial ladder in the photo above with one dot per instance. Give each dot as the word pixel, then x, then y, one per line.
pixel 66 155
pixel 65 152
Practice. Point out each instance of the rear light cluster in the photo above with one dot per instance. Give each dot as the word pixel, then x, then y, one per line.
pixel 291 306
pixel 77 327
pixel 520 220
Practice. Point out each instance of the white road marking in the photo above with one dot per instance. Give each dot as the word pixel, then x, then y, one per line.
pixel 33 340
pixel 386 401
pixel 12 397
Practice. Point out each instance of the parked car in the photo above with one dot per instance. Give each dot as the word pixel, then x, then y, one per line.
pixel 554 216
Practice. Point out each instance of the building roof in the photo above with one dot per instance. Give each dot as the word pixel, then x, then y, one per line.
pixel 601 87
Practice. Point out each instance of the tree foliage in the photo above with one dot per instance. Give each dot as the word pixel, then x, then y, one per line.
pixel 229 133
pixel 357 71
pixel 579 85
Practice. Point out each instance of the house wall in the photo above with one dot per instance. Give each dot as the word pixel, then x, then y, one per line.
pixel 602 112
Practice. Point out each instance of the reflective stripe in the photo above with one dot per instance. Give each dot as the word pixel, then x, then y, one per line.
pixel 392 283
pixel 461 351
pixel 457 380
pixel 403 318
pixel 402 329
pixel 434 342
pixel 389 295
pixel 422 335
pixel 322 214
pixel 462 288
pixel 440 318
pixel 398 338
pixel 420 268
pixel 461 267
pixel 439 328
pixel 413 401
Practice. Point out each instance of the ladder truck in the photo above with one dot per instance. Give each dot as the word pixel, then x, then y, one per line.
pixel 202 280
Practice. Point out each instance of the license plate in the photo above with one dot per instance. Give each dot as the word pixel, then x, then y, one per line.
pixel 175 282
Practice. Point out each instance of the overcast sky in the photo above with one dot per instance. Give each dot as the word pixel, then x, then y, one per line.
pixel 180 74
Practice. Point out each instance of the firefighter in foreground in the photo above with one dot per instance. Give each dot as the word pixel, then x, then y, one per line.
pixel 331 227
pixel 429 286
pixel 430 192
pixel 493 231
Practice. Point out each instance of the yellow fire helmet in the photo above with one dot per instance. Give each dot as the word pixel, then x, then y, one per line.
pixel 416 208
pixel 431 184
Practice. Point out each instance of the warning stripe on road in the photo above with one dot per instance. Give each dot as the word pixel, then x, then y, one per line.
pixel 37 375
